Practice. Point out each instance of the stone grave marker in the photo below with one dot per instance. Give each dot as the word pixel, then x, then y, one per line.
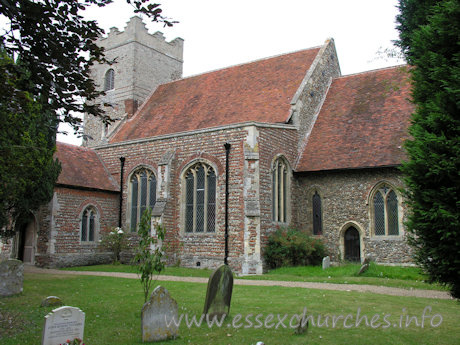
pixel 62 324
pixel 219 293
pixel 51 301
pixel 157 316
pixel 11 277
pixel 365 265
pixel 326 262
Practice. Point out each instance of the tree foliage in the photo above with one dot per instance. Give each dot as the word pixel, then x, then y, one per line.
pixel 28 170
pixel 149 252
pixel 57 46
pixel 429 38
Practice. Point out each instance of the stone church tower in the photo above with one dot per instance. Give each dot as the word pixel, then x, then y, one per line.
pixel 143 62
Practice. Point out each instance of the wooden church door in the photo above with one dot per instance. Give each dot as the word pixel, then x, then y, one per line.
pixel 352 245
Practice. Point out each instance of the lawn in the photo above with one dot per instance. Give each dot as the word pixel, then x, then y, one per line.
pixel 392 276
pixel 112 307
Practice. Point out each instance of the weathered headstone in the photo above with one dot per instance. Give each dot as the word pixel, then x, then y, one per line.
pixel 363 269
pixel 11 277
pixel 51 301
pixel 158 316
pixel 326 262
pixel 219 292
pixel 365 265
pixel 62 324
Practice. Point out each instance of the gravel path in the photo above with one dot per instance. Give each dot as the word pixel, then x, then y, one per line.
pixel 384 290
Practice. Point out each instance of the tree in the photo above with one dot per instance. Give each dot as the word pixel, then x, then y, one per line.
pixel 429 40
pixel 149 254
pixel 27 141
pixel 57 47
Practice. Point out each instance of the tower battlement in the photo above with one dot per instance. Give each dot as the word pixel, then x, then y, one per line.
pixel 136 31
pixel 143 61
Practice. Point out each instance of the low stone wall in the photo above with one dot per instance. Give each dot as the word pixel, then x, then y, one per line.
pixel 71 260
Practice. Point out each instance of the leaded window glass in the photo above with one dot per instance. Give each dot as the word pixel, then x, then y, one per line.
pixel 386 217
pixel 109 82
pixel 200 199
pixel 317 215
pixel 279 191
pixel 88 224
pixel 143 194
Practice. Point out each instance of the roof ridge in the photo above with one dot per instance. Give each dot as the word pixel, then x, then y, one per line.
pixel 372 70
pixel 242 64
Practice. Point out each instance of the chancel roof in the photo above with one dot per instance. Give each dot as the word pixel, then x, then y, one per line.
pixel 362 123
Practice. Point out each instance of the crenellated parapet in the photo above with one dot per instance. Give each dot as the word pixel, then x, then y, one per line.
pixel 136 31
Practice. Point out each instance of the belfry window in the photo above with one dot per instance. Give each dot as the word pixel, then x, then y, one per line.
pixel 143 186
pixel 109 83
pixel 200 199
pixel 385 207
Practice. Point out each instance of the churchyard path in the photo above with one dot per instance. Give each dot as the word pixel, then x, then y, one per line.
pixel 384 290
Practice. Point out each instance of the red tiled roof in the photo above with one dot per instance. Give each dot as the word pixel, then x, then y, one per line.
pixel 81 167
pixel 363 122
pixel 258 91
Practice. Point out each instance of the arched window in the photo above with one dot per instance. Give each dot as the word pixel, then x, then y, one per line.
pixel 109 82
pixel 279 190
pixel 143 187
pixel 385 207
pixel 88 224
pixel 200 198
pixel 317 214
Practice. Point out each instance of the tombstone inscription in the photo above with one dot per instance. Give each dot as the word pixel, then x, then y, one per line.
pixel 62 324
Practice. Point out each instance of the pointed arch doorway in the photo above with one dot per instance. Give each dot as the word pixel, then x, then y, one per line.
pixel 352 245
pixel 26 239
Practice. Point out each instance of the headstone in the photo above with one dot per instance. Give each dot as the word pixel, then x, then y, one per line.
pixel 326 262
pixel 303 323
pixel 11 277
pixel 51 301
pixel 363 269
pixel 219 292
pixel 62 324
pixel 158 316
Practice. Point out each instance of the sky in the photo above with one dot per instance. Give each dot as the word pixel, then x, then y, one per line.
pixel 222 33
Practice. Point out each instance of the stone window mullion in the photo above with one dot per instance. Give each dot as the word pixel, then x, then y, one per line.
pixel 205 204
pixel 139 192
pixel 195 184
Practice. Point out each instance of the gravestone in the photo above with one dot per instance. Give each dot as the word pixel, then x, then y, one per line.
pixel 11 277
pixel 157 316
pixel 51 301
pixel 363 269
pixel 62 324
pixel 219 292
pixel 326 262
pixel 365 265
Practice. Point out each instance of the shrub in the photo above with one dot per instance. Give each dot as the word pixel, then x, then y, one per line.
pixel 290 247
pixel 115 241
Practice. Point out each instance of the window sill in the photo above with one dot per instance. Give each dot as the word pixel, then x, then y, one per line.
pixel 387 238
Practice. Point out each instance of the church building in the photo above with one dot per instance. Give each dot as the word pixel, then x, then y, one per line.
pixel 296 143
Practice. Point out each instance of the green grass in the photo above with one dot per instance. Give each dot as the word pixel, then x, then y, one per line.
pixel 170 271
pixel 392 276
pixel 112 307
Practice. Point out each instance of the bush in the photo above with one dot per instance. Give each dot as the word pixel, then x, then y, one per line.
pixel 115 241
pixel 290 247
